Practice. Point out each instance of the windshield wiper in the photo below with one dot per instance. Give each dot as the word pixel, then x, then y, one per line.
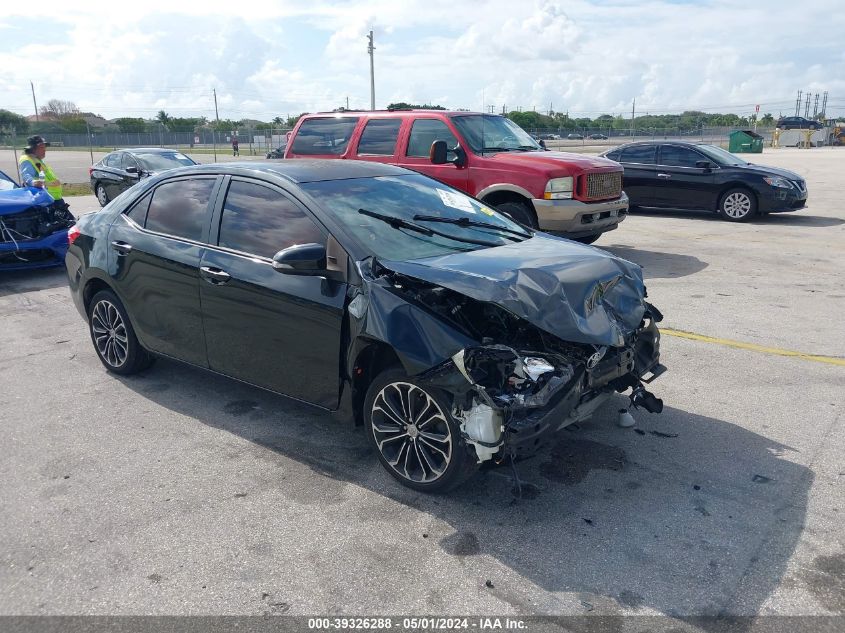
pixel 495 149
pixel 402 223
pixel 467 222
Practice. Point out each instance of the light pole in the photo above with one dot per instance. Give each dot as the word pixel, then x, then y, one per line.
pixel 370 49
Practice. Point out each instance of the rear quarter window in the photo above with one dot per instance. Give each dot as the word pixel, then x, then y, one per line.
pixel 317 137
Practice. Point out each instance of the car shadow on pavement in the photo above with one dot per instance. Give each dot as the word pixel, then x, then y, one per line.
pixel 794 218
pixel 658 264
pixel 21 281
pixel 685 514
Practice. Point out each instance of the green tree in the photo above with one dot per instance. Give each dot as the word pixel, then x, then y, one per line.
pixel 163 118
pixel 129 124
pixel 10 121
pixel 74 125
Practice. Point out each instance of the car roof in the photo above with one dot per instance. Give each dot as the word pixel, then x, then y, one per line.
pixel 393 113
pixel 300 170
pixel 148 150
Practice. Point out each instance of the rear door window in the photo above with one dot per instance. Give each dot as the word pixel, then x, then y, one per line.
pixel 676 156
pixel 379 137
pixel 424 132
pixel 262 221
pixel 324 136
pixel 180 208
pixel 640 154
pixel 113 160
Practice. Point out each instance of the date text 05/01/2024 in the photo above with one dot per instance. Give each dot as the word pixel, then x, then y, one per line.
pixel 418 623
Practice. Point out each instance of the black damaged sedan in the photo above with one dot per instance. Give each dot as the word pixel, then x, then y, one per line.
pixel 452 334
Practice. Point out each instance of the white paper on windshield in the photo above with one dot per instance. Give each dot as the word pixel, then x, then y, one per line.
pixel 456 201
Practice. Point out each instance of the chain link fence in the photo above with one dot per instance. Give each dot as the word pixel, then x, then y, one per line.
pixel 252 142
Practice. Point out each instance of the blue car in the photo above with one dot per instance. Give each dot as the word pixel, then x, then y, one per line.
pixel 33 229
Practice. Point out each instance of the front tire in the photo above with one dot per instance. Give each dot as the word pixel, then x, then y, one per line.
pixel 589 239
pixel 414 434
pixel 102 195
pixel 520 212
pixel 738 205
pixel 114 338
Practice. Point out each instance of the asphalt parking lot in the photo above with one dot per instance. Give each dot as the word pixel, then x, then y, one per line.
pixel 179 492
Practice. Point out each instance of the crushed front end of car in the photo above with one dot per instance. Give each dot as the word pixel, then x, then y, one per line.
pixel 525 340
pixel 33 229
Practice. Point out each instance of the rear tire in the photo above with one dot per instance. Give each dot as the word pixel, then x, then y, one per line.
pixel 414 434
pixel 114 338
pixel 520 212
pixel 738 205
pixel 102 195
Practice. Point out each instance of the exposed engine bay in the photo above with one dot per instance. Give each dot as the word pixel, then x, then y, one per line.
pixel 520 381
pixel 33 223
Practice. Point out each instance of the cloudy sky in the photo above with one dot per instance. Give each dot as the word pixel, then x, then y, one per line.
pixel 275 58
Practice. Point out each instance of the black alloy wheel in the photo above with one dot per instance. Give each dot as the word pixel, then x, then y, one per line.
pixel 113 337
pixel 415 436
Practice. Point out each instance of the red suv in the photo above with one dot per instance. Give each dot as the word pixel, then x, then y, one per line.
pixel 488 156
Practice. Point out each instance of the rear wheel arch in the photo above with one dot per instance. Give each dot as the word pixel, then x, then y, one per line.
pixel 92 287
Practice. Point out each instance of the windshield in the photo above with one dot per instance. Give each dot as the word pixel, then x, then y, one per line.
pixel 6 183
pixel 160 162
pixel 490 133
pixel 720 156
pixel 405 197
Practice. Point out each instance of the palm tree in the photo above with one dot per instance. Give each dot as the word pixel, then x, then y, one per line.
pixel 163 118
pixel 278 120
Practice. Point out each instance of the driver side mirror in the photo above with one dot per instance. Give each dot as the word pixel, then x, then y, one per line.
pixel 704 164
pixel 439 154
pixel 301 259
pixel 132 170
pixel 542 143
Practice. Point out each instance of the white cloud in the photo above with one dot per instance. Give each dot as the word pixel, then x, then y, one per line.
pixel 292 56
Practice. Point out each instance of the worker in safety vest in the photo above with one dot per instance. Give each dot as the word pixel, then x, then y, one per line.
pixel 32 164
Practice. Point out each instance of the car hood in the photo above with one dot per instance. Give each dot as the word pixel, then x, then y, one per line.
pixel 17 200
pixel 554 161
pixel 765 170
pixel 575 292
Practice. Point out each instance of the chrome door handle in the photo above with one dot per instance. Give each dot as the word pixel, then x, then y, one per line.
pixel 214 275
pixel 667 176
pixel 122 248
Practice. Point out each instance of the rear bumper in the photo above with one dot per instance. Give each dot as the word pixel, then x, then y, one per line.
pixel 580 219
pixel 41 253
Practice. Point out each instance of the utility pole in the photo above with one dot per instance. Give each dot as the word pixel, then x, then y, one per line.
pixel 824 106
pixel 347 103
pixel 807 106
pixel 35 105
pixel 633 109
pixel 370 49
pixel 214 130
pixel 816 106
pixel 798 104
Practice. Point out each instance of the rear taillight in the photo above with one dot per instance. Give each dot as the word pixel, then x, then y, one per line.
pixel 90 171
pixel 72 233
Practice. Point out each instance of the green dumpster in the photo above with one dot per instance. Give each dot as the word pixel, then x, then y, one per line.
pixel 745 142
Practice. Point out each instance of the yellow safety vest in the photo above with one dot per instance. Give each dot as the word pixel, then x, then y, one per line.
pixel 53 186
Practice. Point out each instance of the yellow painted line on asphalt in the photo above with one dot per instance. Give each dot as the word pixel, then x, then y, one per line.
pixel 831 360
